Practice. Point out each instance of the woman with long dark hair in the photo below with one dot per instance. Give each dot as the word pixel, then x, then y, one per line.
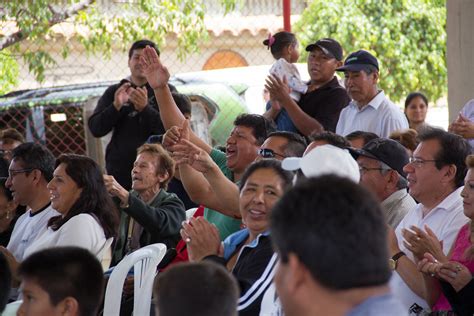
pixel 88 217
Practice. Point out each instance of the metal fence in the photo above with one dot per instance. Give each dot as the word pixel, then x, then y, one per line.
pixel 235 40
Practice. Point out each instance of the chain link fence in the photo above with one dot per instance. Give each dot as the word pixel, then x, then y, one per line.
pixel 57 117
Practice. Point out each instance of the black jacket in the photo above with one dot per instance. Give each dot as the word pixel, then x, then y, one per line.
pixel 161 221
pixel 462 302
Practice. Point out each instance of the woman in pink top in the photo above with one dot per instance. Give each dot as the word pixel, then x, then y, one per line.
pixel 449 284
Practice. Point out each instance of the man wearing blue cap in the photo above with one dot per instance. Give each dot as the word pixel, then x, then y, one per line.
pixel 369 110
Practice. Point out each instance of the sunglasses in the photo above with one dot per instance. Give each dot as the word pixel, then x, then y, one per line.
pixel 268 153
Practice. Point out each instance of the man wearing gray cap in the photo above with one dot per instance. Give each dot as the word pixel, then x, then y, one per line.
pixel 370 110
pixel 381 164
pixel 319 108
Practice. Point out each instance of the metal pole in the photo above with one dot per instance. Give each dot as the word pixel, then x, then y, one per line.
pixel 287 15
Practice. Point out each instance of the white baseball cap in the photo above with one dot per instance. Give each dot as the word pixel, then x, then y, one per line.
pixel 323 160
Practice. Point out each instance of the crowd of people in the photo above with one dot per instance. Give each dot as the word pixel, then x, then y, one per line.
pixel 333 202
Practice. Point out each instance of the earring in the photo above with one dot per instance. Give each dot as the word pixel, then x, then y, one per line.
pixel 8 214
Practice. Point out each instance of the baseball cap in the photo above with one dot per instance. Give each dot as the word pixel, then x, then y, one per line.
pixel 388 151
pixel 360 60
pixel 325 159
pixel 329 46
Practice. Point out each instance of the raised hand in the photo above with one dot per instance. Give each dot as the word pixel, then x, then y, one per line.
pixel 171 137
pixel 121 96
pixel 139 98
pixel 115 189
pixel 186 152
pixel 278 88
pixel 156 74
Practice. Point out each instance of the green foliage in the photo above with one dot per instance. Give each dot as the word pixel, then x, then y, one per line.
pixel 407 36
pixel 8 72
pixel 100 31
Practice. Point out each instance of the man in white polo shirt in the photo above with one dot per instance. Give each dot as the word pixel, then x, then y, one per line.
pixel 370 110
pixel 435 178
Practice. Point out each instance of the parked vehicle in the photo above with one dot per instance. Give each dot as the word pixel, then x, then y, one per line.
pixel 57 117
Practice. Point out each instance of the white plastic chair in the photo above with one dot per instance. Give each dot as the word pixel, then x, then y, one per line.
pixel 144 262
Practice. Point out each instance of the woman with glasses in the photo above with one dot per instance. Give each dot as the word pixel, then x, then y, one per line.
pixel 248 253
pixel 448 280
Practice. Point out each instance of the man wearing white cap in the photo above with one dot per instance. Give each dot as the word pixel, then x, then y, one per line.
pixel 323 160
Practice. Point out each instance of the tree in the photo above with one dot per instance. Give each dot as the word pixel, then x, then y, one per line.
pixel 99 31
pixel 8 72
pixel 407 36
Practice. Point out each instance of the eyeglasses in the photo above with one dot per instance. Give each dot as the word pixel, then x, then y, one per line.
pixel 268 153
pixel 363 169
pixel 418 162
pixel 12 173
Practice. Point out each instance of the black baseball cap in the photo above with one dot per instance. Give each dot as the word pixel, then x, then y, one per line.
pixel 360 60
pixel 388 151
pixel 329 46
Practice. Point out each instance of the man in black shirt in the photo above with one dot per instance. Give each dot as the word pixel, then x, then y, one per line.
pixel 319 108
pixel 129 109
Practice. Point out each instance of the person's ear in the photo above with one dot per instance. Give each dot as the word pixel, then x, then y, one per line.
pixel 375 77
pixel 450 173
pixel 36 174
pixel 297 274
pixel 392 178
pixel 68 306
pixel 289 48
pixel 163 177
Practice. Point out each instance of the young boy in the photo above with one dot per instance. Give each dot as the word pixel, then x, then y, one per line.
pixel 61 281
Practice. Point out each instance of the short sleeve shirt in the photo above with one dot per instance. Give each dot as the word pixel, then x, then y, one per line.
pixel 325 103
pixel 445 220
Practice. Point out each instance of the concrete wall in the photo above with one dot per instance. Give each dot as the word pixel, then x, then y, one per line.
pixel 460 54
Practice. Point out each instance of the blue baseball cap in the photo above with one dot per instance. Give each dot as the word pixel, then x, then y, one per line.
pixel 360 60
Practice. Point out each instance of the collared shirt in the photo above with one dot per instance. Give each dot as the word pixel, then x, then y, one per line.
pixel 445 220
pixel 396 206
pixel 380 116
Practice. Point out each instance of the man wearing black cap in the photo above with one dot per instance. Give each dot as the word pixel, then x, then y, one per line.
pixel 370 110
pixel 320 107
pixel 381 164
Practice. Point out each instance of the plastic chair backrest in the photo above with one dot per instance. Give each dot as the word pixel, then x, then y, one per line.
pixel 105 253
pixel 144 262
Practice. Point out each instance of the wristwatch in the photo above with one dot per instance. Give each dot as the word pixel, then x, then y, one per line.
pixel 393 262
